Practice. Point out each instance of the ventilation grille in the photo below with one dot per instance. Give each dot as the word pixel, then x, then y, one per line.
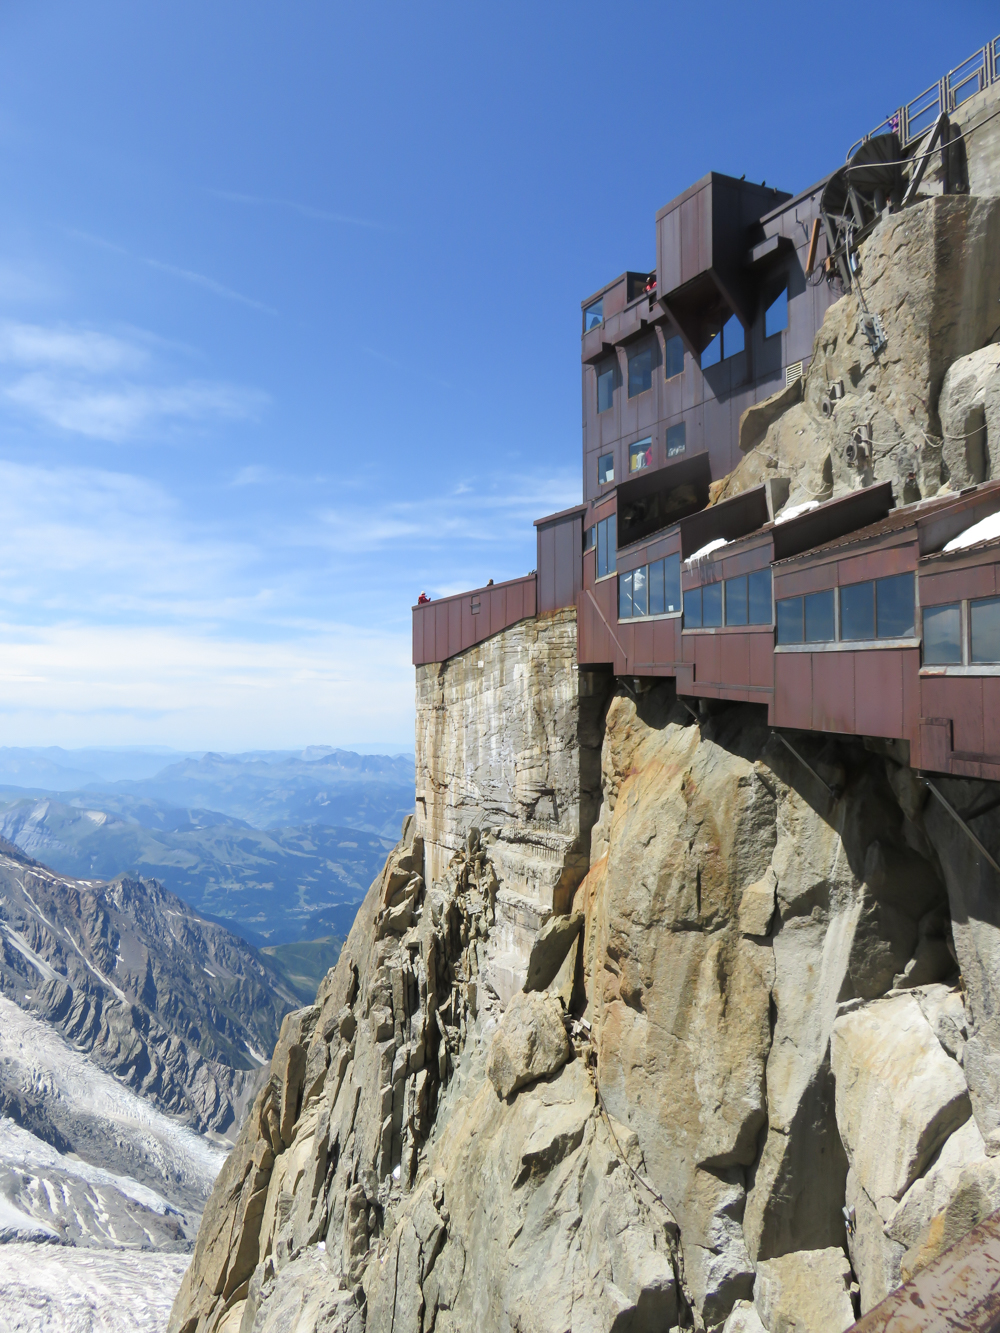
pixel 793 373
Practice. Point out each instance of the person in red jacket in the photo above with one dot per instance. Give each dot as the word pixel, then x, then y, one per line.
pixel 422 599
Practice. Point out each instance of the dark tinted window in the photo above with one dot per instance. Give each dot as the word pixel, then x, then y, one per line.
pixel 711 604
pixel 789 611
pixel 640 455
pixel 674 353
pixel 589 537
pixel 607 546
pixel 624 596
pixel 985 617
pixel 894 607
pixel 857 611
pixel 692 608
pixel 672 582
pixel 605 468
pixel 819 616
pixel 736 600
pixel 943 634
pixel 759 597
pixel 733 339
pixel 776 314
pixel 676 439
pixel 656 588
pixel 712 354
pixel 605 389
pixel 640 372
pixel 593 314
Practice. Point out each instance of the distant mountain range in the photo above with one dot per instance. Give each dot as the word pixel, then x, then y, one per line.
pixel 279 846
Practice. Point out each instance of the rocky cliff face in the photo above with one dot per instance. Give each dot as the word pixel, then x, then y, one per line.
pixel 741 1083
pixel 653 1020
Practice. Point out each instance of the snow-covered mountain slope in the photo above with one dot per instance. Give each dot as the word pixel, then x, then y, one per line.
pixel 176 1006
pixel 48 1290
pixel 111 1169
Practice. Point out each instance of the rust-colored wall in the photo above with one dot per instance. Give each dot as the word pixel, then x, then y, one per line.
pixel 446 627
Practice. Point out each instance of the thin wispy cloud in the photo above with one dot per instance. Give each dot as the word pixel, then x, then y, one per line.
pixel 188 275
pixel 107 387
pixel 304 210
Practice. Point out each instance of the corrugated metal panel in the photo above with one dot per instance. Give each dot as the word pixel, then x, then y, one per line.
pixel 449 626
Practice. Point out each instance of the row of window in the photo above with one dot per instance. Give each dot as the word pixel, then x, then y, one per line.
pixel 877 609
pixel 730 339
pixel 651 590
pixel 640 454
pixel 744 600
pixel 962 633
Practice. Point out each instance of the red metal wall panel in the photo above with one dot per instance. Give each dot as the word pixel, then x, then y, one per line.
pixel 734 659
pixel 762 659
pixel 442 629
pixel 793 690
pixel 991 715
pixel 833 691
pixel 706 658
pixel 878 693
pixel 976 581
pixel 881 563
pixel 964 696
pixel 798 581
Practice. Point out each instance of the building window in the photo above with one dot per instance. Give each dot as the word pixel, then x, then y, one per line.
pixel 676 439
pixel 943 635
pixel 789 615
pixel 607 546
pixel 727 342
pixel 711 604
pixel 776 314
pixel 894 607
pixel 650 590
pixel 819 617
pixel 692 608
pixel 640 372
pixel 857 611
pixel 737 609
pixel 605 388
pixel 605 469
pixel 589 537
pixel 984 616
pixel 759 597
pixel 640 455
pixel 674 356
pixel 593 315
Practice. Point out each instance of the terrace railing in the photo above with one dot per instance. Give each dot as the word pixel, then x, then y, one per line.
pixel 915 118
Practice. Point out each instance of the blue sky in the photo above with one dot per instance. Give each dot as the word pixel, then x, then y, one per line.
pixel 289 316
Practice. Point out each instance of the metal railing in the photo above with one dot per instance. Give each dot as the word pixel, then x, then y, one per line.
pixel 964 81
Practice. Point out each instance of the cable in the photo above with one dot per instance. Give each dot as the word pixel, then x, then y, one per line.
pixel 917 157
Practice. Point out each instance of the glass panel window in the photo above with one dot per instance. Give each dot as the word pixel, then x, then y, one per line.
pixel 711 604
pixel 894 607
pixel 789 611
pixel 712 354
pixel 733 338
pixel 672 582
pixel 605 388
pixel 676 439
pixel 759 597
pixel 607 546
pixel 692 608
pixel 624 596
pixel 943 634
pixel 819 616
pixel 656 588
pixel 589 537
pixel 857 611
pixel 776 314
pixel 640 455
pixel 593 315
pixel 605 469
pixel 640 372
pixel 736 600
pixel 674 357
pixel 985 617
pixel 639 589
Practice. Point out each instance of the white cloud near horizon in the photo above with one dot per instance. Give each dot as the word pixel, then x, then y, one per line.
pixel 109 387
